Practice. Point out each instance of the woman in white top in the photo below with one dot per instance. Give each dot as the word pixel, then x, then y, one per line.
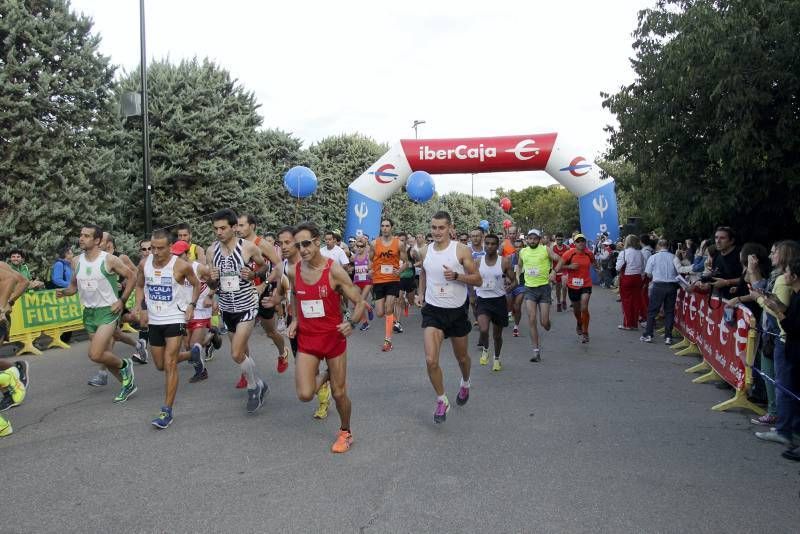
pixel 630 265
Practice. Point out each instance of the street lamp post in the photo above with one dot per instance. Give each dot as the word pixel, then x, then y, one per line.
pixel 148 217
pixel 415 125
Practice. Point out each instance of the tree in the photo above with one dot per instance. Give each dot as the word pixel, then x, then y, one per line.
pixel 553 209
pixel 56 101
pixel 711 122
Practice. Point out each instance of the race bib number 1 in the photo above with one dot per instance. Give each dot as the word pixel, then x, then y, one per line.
pixel 312 309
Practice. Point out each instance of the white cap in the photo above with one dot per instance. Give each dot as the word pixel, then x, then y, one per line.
pixel 534 231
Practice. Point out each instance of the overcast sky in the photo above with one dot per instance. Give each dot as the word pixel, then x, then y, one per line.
pixel 469 69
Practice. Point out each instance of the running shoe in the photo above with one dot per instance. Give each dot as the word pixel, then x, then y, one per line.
pixel 99 380
pixel 209 355
pixel 199 377
pixel 126 373
pixel 484 359
pixel 496 365
pixel 343 441
pixel 398 327
pixel 370 312
pixel 515 333
pixel 197 361
pixel 387 345
pixel 667 341
pixel 255 397
pixel 537 355
pixel 364 327
pixel 463 396
pixel 22 367
pixel 765 420
pixel 283 361
pixel 6 402
pixel 646 339
pixel 140 356
pixel 774 436
pixel 216 338
pixel 164 419
pixel 126 393
pixel 585 338
pixel 440 414
pixel 324 399
pixel 242 383
pixel 5 428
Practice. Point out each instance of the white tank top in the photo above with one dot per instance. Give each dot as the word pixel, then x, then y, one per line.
pixel 438 291
pixel 165 297
pixel 492 279
pixel 201 311
pixel 97 288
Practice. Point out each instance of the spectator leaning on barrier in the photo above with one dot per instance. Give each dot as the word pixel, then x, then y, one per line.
pixel 662 268
pixel 61 271
pixel 726 267
pixel 16 260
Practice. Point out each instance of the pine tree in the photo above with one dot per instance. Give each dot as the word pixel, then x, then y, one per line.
pixel 55 96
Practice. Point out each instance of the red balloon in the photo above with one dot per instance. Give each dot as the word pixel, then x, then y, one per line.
pixel 506 224
pixel 505 203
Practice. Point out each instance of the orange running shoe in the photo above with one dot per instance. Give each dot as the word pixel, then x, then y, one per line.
pixel 343 441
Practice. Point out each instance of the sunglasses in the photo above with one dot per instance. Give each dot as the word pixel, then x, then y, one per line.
pixel 304 244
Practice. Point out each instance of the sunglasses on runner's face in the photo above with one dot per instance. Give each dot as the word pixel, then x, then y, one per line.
pixel 303 244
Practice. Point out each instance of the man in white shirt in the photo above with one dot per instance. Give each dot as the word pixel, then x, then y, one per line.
pixel 333 251
pixel 662 268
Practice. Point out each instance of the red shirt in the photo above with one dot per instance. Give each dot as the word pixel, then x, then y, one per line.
pixel 319 313
pixel 580 277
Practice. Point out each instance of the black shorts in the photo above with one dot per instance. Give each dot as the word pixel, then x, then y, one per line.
pixel 266 313
pixel 381 291
pixel 158 333
pixel 454 322
pixel 407 284
pixel 495 307
pixel 231 319
pixel 575 294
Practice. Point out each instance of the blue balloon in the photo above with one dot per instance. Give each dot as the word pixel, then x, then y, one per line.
pixel 484 224
pixel 420 186
pixel 300 181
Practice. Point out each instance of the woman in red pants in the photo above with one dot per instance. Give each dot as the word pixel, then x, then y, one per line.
pixel 630 265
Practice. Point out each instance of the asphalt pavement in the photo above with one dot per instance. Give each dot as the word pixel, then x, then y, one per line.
pixel 609 436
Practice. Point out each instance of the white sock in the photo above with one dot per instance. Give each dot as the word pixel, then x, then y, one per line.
pixel 465 384
pixel 496 356
pixel 249 369
pixel 442 398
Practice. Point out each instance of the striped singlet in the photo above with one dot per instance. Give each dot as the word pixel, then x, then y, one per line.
pixel 236 294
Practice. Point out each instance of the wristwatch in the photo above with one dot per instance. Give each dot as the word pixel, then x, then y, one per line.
pixel 353 324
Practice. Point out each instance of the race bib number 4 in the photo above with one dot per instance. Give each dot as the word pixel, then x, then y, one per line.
pixel 312 309
pixel 577 282
pixel 386 269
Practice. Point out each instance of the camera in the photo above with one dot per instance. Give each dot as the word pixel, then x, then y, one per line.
pixel 707 279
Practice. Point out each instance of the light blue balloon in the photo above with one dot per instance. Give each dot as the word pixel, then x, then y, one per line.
pixel 300 181
pixel 420 186
pixel 484 224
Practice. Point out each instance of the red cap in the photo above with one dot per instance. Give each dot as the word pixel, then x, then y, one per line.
pixel 179 247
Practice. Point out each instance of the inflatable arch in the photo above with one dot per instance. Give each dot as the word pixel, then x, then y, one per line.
pixel 543 152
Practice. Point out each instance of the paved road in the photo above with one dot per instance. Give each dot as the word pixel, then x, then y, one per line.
pixel 609 437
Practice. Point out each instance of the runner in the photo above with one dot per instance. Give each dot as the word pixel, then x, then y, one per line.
pixel 228 258
pixel 560 283
pixel 160 282
pixel 196 252
pixel 13 388
pixel 362 273
pixel 407 281
pixel 476 247
pixel 199 326
pixel 320 327
pixel 12 285
pixel 97 286
pixel 386 256
pixel 579 283
pixel 265 283
pixel 491 305
pixel 536 262
pixel 447 270
pixel 291 258
pixel 516 293
pixel 12 382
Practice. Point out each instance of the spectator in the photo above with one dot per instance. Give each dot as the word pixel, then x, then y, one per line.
pixel 648 243
pixel 16 260
pixel 61 271
pixel 700 256
pixel 630 265
pixel 662 268
pixel 726 265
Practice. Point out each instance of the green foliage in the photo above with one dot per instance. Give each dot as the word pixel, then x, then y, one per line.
pixel 552 209
pixel 711 123
pixel 465 211
pixel 55 97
